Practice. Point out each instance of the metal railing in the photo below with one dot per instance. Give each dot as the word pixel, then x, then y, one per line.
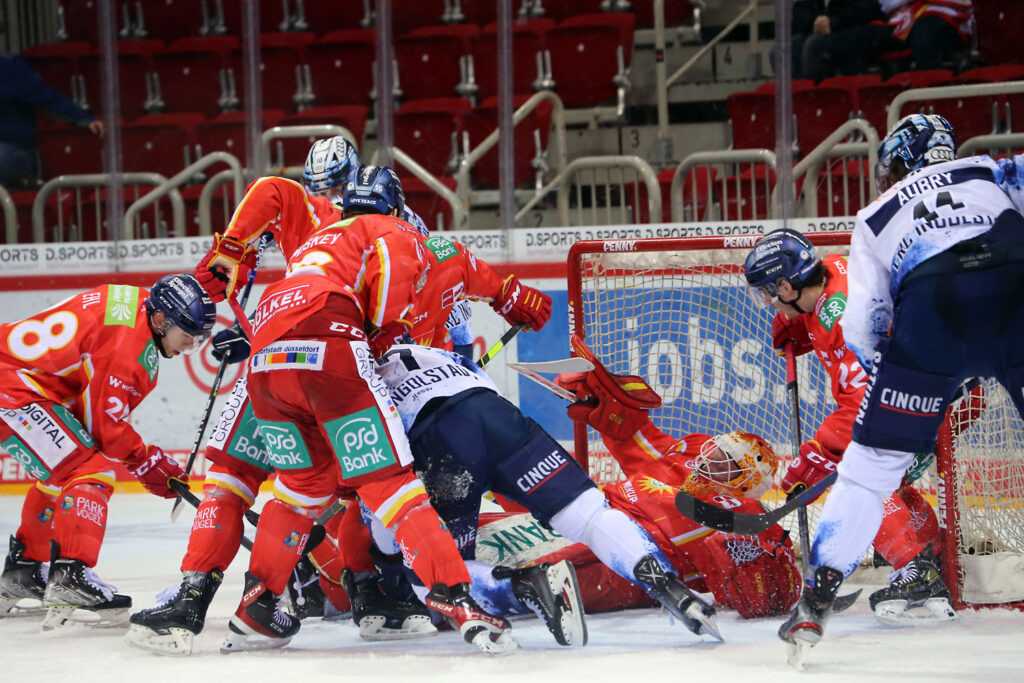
pixel 702 159
pixel 10 216
pixel 1000 141
pixel 324 130
pixel 945 92
pixel 460 213
pixel 98 181
pixel 833 147
pixel 170 186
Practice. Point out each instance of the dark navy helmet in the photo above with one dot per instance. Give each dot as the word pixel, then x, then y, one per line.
pixel 185 304
pixel 919 140
pixel 329 165
pixel 376 188
pixel 782 254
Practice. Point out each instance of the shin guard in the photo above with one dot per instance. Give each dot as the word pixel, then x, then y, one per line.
pixel 216 532
pixel 37 524
pixel 80 522
pixel 922 518
pixel 280 539
pixel 428 548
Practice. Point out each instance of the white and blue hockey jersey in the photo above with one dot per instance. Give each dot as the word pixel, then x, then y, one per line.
pixel 917 218
pixel 415 374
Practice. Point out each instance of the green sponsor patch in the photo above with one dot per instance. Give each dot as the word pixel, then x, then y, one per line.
pixel 832 310
pixel 122 305
pixel 150 359
pixel 284 445
pixel 247 443
pixel 17 449
pixel 360 443
pixel 74 425
pixel 442 248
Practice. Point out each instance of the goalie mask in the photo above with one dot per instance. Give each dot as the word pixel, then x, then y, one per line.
pixel 329 165
pixel 917 141
pixel 737 463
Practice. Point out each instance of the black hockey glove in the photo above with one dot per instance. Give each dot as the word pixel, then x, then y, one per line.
pixel 230 344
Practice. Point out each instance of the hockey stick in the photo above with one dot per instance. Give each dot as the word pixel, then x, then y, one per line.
pixel 746 523
pixel 215 388
pixel 792 390
pixel 524 370
pixel 557 367
pixel 500 344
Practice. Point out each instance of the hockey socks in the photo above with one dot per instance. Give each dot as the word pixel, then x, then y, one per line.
pixel 216 532
pixel 897 541
pixel 428 548
pixel 37 524
pixel 80 522
pixel 280 539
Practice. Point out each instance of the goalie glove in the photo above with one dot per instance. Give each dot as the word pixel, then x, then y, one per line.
pixel 785 330
pixel 156 471
pixel 224 266
pixel 752 581
pixel 812 465
pixel 521 304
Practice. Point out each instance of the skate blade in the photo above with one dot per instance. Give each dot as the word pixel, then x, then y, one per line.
pixel 250 642
pixel 502 645
pixel 21 607
pixel 62 616
pixel 177 642
pixel 702 624
pixel 371 627
pixel 845 602
pixel 572 623
pixel 899 613
pixel 796 654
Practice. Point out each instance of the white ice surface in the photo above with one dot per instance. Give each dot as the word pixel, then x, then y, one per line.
pixel 143 550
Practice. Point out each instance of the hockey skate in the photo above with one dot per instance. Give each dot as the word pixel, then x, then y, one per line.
pixel 489 633
pixel 22 583
pixel 806 623
pixel 916 585
pixel 259 622
pixel 381 618
pixel 76 595
pixel 304 595
pixel 550 590
pixel 171 626
pixel 690 608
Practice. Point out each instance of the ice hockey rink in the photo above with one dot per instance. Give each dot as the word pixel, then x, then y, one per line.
pixel 143 549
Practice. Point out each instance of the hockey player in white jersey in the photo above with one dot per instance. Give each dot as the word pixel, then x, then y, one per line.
pixel 936 271
pixel 466 440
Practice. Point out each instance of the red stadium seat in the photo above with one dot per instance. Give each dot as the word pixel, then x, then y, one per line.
pixel 159 143
pixel 697 188
pixel 483 120
pixel 133 63
pixel 80 20
pixel 414 15
pixel 752 117
pixel 560 11
pixel 435 50
pixel 190 73
pixel 480 12
pixel 324 17
pixel 435 211
pixel 293 151
pixel 997 42
pixel 746 196
pixel 849 191
pixel 172 19
pixel 220 211
pixel 68 150
pixel 227 133
pixel 424 129
pixel 819 111
pixel 528 39
pixel 56 63
pixel 341 64
pixel 583 56
pixel 280 53
pixel 676 13
pixel 271 16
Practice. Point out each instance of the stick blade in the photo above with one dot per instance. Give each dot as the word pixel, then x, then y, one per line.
pixel 543 381
pixel 176 509
pixel 558 367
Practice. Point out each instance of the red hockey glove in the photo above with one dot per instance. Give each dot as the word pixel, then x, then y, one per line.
pixel 750 580
pixel 812 464
pixel 383 338
pixel 785 330
pixel 227 264
pixel 521 304
pixel 156 471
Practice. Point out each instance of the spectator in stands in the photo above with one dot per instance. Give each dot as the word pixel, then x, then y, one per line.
pixel 22 91
pixel 933 30
pixel 838 36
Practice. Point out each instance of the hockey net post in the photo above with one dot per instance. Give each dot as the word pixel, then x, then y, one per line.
pixel 676 312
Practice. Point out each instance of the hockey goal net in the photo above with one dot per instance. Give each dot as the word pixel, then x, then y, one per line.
pixel 676 312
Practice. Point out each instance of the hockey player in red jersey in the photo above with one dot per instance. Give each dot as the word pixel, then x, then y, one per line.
pixel 69 378
pixel 809 295
pixel 329 422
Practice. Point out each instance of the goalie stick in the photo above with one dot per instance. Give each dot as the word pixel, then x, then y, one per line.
pixel 557 367
pixel 524 369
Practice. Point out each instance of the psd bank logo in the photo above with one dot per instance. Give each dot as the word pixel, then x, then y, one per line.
pixel 360 443
pixel 284 445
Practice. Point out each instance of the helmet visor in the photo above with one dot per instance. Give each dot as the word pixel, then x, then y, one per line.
pixel 763 297
pixel 178 340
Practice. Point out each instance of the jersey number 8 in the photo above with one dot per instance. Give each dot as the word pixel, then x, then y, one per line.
pixel 31 339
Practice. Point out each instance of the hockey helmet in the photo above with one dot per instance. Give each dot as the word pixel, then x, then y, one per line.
pixel 918 140
pixel 782 254
pixel 186 305
pixel 737 464
pixel 376 188
pixel 329 165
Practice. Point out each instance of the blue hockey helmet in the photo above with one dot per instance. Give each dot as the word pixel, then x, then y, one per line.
pixel 376 188
pixel 185 304
pixel 918 140
pixel 329 165
pixel 782 254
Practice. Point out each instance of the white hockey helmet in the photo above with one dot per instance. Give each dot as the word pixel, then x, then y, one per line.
pixel 917 140
pixel 329 165
pixel 737 463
